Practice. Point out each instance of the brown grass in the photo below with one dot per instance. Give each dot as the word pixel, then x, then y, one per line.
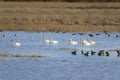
pixel 51 16
pixel 59 5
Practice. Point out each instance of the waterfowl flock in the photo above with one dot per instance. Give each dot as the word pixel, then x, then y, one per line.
pixel 92 53
pixel 72 42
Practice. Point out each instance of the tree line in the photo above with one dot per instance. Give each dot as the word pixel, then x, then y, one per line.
pixel 64 0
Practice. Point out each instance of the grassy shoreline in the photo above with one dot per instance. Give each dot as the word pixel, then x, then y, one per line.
pixel 70 17
pixel 60 28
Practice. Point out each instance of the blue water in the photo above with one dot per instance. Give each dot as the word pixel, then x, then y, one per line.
pixel 60 65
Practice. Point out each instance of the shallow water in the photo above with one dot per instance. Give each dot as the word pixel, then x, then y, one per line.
pixel 60 65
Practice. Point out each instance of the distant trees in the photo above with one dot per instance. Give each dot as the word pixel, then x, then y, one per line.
pixel 65 0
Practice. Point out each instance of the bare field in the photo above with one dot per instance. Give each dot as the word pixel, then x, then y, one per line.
pixel 59 16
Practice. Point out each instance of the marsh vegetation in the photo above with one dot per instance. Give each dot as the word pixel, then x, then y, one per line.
pixel 59 16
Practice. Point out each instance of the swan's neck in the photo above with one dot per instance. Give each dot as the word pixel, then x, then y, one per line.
pixel 43 38
pixel 70 40
pixel 51 38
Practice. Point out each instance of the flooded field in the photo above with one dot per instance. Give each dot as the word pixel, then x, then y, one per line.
pixel 59 63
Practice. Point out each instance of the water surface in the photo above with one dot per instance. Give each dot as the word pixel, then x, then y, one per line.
pixel 61 64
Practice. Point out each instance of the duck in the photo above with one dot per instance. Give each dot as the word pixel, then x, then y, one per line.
pixel 85 53
pixel 91 35
pixel 74 52
pixel 92 52
pixel 107 53
pixel 101 53
pixel 118 53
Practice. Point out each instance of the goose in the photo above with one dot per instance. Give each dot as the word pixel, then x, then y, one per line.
pixel 53 41
pixel 73 42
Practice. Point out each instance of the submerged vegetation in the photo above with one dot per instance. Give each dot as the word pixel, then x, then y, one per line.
pixel 4 55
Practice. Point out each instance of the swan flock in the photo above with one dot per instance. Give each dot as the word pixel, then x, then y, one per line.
pixel 52 41
pixel 71 41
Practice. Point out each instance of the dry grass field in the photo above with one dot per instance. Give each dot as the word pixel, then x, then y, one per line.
pixel 57 16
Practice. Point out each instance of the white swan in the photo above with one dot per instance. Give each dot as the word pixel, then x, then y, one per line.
pixel 87 43
pixel 17 44
pixel 53 41
pixel 73 42
pixel 93 42
pixel 45 40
